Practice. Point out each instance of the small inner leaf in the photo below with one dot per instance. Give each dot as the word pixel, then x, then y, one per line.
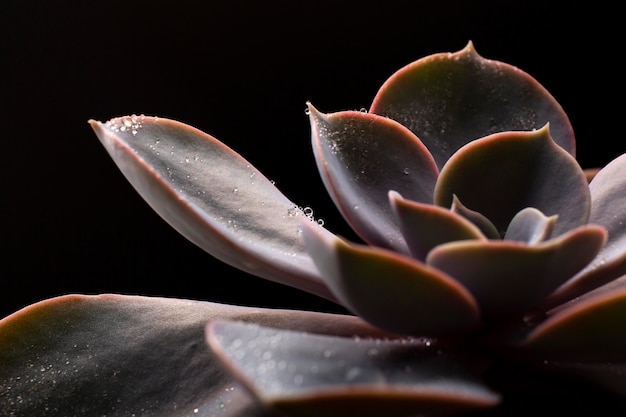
pixel 302 374
pixel 425 225
pixel 482 222
pixel 501 174
pixel 530 226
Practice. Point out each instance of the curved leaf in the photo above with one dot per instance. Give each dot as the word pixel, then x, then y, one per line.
pixel 530 226
pixel 451 99
pixel 120 356
pixel 213 197
pixel 425 226
pixel 588 330
pixel 310 375
pixel 391 291
pixel 608 199
pixel 360 158
pixel 501 174
pixel 483 223
pixel 508 278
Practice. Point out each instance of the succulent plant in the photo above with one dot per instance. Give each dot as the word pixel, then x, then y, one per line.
pixel 488 259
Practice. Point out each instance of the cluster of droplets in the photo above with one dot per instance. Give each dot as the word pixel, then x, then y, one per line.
pixel 294 211
pixel 130 124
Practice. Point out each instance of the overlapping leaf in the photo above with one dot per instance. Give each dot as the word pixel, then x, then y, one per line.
pixel 451 99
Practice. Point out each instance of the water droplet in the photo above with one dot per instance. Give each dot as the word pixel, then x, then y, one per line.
pixel 363 110
pixel 353 373
pixel 406 171
pixel 307 111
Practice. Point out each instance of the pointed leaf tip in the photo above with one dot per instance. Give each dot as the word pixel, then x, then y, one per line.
pixel 501 174
pixel 480 97
pixel 213 197
pixel 358 175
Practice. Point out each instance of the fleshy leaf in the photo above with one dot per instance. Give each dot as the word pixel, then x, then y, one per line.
pixel 587 330
pixel 360 158
pixel 306 375
pixel 450 99
pixel 483 223
pixel 608 199
pixel 425 226
pixel 530 226
pixel 213 197
pixel 391 291
pixel 501 174
pixel 508 278
pixel 118 355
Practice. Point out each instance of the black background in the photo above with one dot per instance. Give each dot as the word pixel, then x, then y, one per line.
pixel 241 71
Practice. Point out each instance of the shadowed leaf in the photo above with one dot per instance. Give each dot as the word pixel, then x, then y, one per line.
pixel 391 291
pixel 120 356
pixel 310 375
pixel 508 278
pixel 608 199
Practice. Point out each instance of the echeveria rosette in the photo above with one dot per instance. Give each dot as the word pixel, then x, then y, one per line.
pixel 485 250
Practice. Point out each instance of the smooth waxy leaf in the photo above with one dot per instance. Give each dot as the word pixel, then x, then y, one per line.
pixel 530 226
pixel 360 158
pixel 608 199
pixel 391 291
pixel 425 226
pixel 501 174
pixel 120 356
pixel 451 99
pixel 588 330
pixel 483 223
pixel 306 375
pixel 213 197
pixel 509 278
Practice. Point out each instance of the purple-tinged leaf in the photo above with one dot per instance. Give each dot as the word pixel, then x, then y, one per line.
pixel 609 376
pixel 483 223
pixel 530 226
pixel 306 375
pixel 425 226
pixel 391 291
pixel 213 197
pixel 608 209
pixel 121 355
pixel 586 330
pixel 360 158
pixel 451 99
pixel 508 278
pixel 501 174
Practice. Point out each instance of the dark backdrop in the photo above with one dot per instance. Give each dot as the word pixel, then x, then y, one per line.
pixel 241 71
